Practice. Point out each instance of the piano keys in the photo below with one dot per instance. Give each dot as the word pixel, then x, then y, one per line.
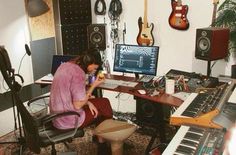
pixel 196 140
pixel 200 108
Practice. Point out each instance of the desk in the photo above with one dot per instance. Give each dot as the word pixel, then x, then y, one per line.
pixel 161 99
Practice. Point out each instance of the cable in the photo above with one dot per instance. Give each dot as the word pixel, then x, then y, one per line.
pixel 18 71
pixel 96 6
pixel 115 9
pixel 124 32
pixel 213 64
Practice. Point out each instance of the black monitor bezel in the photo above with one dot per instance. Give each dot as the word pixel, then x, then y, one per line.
pixel 125 71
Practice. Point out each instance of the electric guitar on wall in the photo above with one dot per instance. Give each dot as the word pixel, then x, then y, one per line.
pixel 215 3
pixel 145 36
pixel 178 17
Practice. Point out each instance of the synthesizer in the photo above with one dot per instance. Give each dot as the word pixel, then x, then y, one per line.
pixel 194 80
pixel 201 108
pixel 196 140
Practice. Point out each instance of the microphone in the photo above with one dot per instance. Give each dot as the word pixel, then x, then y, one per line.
pixel 28 52
pixel 27 49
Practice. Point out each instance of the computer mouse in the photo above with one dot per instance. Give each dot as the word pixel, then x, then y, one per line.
pixel 141 91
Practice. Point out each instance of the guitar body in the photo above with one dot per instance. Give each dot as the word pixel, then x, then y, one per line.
pixel 145 37
pixel 178 17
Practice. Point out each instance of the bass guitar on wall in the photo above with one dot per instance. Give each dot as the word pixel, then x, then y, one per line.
pixel 178 17
pixel 145 36
pixel 215 3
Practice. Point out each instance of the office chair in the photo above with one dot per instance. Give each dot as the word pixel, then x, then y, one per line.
pixel 38 130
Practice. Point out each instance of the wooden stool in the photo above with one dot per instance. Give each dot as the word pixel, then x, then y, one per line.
pixel 115 132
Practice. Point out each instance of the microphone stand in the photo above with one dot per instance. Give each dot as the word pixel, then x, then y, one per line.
pixel 20 140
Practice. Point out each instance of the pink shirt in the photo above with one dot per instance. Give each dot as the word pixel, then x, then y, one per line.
pixel 69 85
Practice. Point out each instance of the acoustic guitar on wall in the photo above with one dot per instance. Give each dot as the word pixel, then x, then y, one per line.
pixel 178 17
pixel 145 36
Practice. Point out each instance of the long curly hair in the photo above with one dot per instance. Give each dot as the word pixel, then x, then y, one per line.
pixel 88 57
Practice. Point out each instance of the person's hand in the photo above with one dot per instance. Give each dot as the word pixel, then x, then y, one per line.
pixel 98 81
pixel 93 109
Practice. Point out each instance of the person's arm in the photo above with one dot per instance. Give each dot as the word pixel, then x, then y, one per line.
pixel 80 104
pixel 97 82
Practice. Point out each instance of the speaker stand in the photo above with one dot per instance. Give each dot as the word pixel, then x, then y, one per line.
pixel 208 68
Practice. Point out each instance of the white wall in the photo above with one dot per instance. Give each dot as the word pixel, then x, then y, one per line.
pixel 177 48
pixel 14 35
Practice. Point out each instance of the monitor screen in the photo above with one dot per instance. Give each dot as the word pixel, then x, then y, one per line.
pixel 57 60
pixel 136 59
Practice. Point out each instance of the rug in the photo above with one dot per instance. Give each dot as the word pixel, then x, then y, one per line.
pixel 135 145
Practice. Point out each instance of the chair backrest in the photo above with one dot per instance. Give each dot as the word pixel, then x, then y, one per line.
pixel 30 128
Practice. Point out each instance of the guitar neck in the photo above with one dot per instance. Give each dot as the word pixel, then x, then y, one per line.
pixel 214 14
pixel 215 2
pixel 145 14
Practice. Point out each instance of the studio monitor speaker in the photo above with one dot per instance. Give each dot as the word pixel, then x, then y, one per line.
pixel 96 36
pixel 211 43
pixel 147 111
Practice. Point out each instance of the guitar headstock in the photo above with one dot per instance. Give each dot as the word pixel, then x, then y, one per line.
pixel 216 1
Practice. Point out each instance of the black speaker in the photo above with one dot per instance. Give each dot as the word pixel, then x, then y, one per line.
pixel 96 36
pixel 147 111
pixel 211 43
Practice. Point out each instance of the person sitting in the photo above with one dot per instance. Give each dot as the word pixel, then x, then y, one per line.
pixel 68 93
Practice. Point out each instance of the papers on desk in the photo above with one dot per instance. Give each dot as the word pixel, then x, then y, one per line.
pixel 47 78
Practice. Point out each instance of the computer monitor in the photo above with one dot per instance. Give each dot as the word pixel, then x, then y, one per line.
pixel 136 59
pixel 57 60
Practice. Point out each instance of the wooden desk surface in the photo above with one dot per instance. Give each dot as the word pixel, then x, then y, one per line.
pixel 161 98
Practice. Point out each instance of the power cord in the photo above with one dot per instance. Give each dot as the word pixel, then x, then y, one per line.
pixel 115 10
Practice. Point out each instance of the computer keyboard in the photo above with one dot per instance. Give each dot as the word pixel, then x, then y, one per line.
pixel 146 78
pixel 112 84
